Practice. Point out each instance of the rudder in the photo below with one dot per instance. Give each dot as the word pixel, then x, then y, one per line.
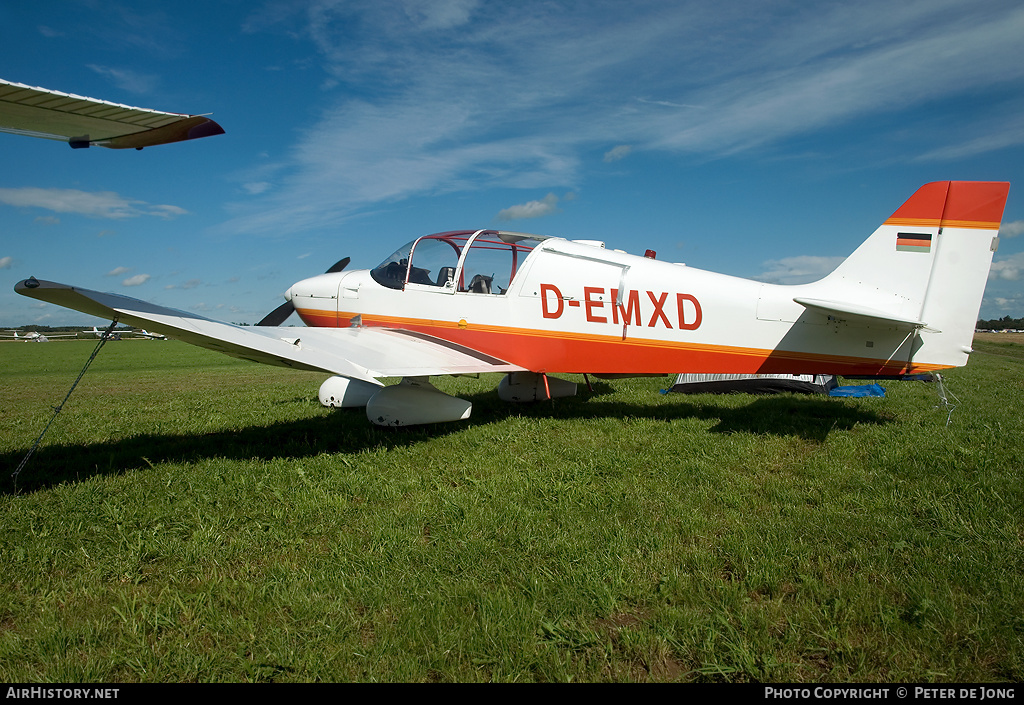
pixel 968 236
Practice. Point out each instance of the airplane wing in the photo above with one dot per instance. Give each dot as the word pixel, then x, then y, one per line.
pixel 357 353
pixel 83 122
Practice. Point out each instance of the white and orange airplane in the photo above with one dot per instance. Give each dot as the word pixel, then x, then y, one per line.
pixel 905 302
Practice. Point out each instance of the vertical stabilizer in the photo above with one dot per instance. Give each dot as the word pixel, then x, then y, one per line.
pixel 929 262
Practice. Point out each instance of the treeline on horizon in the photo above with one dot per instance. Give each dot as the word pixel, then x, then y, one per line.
pixel 61 329
pixel 1001 324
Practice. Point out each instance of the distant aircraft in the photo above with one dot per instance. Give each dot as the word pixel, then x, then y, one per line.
pixel 85 122
pixel 112 335
pixel 117 334
pixel 149 336
pixel 35 337
pixel 463 302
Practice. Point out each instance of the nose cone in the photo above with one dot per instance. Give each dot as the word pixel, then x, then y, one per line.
pixel 316 299
pixel 322 286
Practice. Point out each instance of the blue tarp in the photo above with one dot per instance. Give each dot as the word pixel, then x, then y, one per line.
pixel 864 390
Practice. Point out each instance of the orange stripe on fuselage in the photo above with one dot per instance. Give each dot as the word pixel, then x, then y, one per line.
pixel 567 352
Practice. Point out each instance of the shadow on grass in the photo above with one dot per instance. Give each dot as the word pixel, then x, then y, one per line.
pixel 805 417
pixel 348 431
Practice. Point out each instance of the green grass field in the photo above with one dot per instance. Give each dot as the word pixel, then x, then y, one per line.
pixel 190 517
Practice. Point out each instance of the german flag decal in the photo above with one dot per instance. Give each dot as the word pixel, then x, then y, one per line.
pixel 913 242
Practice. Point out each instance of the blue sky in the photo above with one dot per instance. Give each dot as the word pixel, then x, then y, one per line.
pixel 763 140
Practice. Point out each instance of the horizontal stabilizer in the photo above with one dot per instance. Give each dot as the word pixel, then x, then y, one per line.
pixel 355 353
pixel 845 310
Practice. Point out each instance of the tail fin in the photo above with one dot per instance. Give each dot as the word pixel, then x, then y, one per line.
pixel 926 267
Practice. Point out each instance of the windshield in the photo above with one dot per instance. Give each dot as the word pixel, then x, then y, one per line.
pixel 391 272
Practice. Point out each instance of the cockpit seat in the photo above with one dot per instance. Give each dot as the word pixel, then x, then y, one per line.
pixel 480 284
pixel 445 275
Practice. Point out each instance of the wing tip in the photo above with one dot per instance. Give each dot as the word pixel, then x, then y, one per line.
pixel 192 127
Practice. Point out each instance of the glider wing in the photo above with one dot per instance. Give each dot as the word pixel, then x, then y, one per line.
pixel 83 122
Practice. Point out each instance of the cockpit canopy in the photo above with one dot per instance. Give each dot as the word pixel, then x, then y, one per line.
pixel 480 262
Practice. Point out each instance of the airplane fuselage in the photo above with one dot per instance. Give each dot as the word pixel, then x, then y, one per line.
pixel 576 307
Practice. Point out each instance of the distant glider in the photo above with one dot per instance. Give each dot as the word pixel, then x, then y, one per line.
pixel 117 334
pixel 35 337
pixel 84 122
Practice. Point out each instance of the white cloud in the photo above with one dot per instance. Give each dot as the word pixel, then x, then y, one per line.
pixel 118 271
pixel 1012 229
pixel 137 280
pixel 532 209
pixel 204 307
pixel 99 204
pixel 1007 304
pixel 1008 268
pixel 127 79
pixel 166 212
pixel 364 154
pixel 6 262
pixel 843 63
pixel 511 95
pixel 990 134
pixel 439 14
pixel 617 153
pixel 798 270
pixel 255 188
pixel 190 284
